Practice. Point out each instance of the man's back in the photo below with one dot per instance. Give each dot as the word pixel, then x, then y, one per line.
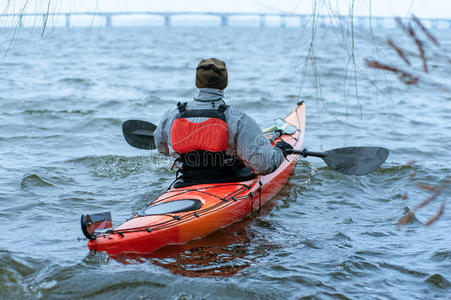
pixel 246 142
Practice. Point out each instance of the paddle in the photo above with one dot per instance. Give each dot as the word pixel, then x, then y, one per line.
pixel 139 134
pixel 350 160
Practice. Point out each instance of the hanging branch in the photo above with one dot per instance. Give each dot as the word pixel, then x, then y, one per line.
pixel 437 216
pixel 399 51
pixel 419 44
pixel 412 76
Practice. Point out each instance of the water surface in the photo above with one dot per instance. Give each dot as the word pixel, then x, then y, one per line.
pixel 63 98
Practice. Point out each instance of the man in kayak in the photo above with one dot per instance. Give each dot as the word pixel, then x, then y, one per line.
pixel 212 142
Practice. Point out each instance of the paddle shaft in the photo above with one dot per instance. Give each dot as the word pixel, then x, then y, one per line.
pixel 306 153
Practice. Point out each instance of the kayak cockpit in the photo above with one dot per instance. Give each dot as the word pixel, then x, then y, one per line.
pixel 175 206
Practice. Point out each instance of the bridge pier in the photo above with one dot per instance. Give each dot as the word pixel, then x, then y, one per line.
pixel 167 21
pixel 224 21
pixel 67 20
pixel 321 21
pixel 379 23
pixel 44 20
pixel 360 21
pixel 434 24
pixel 283 21
pixel 262 21
pixel 302 21
pixel 108 22
pixel 20 22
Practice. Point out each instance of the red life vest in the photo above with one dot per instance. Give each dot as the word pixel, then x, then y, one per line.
pixel 200 136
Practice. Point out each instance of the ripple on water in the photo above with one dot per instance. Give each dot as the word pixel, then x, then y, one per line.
pixel 77 82
pixel 393 168
pixel 341 240
pixel 439 281
pixel 34 180
pixel 442 255
pixel 57 112
pixel 116 166
pixel 111 104
pixel 76 98
pixel 311 244
pixel 97 123
pixel 16 276
pixel 352 267
pixel 402 269
pixel 285 275
pixel 377 234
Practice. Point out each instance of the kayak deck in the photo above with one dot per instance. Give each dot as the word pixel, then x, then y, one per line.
pixel 198 210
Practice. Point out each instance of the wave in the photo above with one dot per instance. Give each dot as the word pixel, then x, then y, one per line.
pixel 16 274
pixel 117 166
pixel 65 111
pixel 77 81
pixel 34 180
pixel 438 281
pixel 393 168
pixel 442 255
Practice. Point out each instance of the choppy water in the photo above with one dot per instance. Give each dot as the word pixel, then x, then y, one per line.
pixel 63 98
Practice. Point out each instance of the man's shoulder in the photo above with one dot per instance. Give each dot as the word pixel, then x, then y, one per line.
pixel 170 113
pixel 235 111
pixel 234 114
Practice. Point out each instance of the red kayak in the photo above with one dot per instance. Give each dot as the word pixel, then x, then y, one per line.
pixel 184 214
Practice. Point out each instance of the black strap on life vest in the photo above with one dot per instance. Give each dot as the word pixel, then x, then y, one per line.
pixel 181 106
pixel 206 113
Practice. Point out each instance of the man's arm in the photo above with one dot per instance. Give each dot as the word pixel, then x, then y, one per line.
pixel 161 133
pixel 254 148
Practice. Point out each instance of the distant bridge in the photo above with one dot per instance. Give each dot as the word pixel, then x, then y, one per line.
pixel 325 20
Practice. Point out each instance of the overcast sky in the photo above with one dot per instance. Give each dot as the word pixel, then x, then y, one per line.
pixel 421 8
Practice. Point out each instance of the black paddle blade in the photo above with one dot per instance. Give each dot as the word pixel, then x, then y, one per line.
pixel 90 223
pixel 139 134
pixel 356 160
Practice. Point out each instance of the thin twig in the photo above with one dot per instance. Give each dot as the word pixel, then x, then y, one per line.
pixel 414 170
pixel 400 24
pixel 46 18
pixel 437 216
pixel 437 191
pixel 399 51
pixel 354 65
pixel 426 32
pixel 404 76
pixel 427 187
pixel 419 44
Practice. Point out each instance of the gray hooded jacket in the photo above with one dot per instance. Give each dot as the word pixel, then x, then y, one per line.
pixel 246 140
